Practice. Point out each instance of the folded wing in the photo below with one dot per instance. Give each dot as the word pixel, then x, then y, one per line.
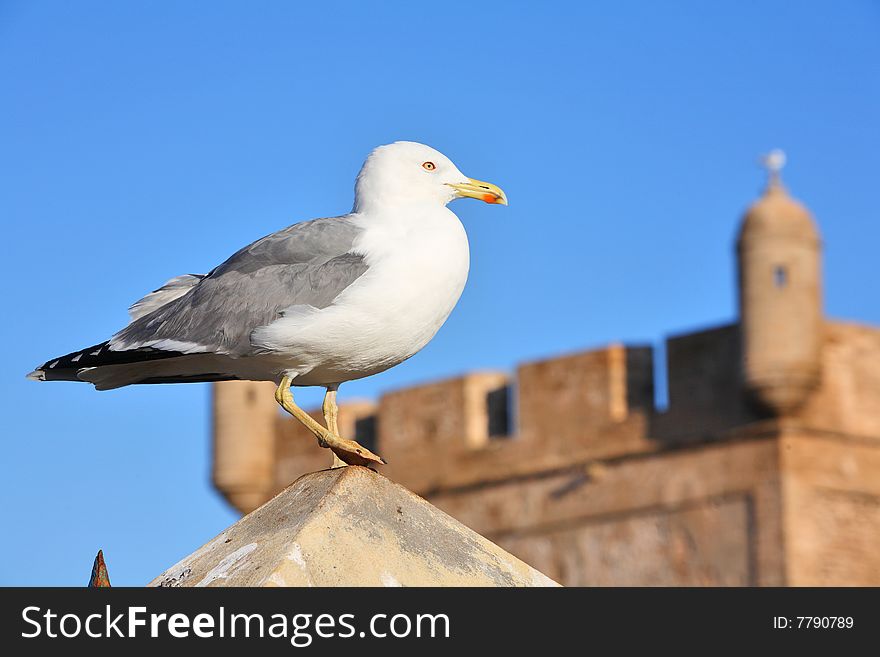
pixel 203 320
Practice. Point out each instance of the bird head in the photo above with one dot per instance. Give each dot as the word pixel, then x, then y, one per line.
pixel 407 172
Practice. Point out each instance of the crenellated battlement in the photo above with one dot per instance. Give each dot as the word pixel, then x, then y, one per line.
pixel 451 433
pixel 580 408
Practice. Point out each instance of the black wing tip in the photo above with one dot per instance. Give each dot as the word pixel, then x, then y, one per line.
pixel 65 368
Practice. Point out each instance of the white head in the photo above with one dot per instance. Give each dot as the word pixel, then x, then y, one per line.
pixel 406 172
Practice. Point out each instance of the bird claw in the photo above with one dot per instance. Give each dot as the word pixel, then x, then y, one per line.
pixel 351 452
pixel 346 450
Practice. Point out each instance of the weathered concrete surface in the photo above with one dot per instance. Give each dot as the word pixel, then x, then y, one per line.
pixel 349 527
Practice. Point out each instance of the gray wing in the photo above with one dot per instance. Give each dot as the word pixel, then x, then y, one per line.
pixel 172 289
pixel 307 264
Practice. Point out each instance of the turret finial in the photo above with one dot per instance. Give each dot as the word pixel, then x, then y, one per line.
pixel 773 163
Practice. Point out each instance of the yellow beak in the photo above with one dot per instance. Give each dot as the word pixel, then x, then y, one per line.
pixel 478 189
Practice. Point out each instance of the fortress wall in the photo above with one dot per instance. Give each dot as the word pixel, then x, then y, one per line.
pixel 425 431
pixel 562 398
pixel 568 466
pixel 702 517
pixel 705 386
pixel 458 432
pixel 848 397
pixel 831 488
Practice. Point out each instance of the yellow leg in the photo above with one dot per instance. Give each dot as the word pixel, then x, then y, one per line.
pixel 331 416
pixel 347 450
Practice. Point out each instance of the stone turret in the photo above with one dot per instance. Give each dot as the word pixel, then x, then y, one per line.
pixel 780 299
pixel 244 470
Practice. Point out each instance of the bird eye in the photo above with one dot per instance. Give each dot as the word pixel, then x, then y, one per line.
pixel 429 166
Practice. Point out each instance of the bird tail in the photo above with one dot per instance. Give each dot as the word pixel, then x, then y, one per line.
pixel 107 368
pixel 73 366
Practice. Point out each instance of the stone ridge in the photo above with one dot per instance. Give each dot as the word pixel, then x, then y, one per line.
pixel 349 527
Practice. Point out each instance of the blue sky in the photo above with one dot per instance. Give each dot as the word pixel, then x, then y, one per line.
pixel 139 141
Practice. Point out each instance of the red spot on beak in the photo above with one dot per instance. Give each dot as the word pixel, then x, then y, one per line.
pixel 490 198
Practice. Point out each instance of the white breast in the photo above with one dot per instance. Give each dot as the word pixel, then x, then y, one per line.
pixel 418 265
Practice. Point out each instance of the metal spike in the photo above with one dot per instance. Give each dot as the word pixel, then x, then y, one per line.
pixel 99 577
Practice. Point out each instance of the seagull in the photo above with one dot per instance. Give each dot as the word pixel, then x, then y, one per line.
pixel 318 303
